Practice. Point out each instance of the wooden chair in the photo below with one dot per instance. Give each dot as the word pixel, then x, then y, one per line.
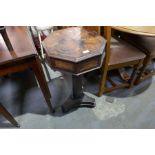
pixel 118 54
pixel 24 56
pixel 147 45
pixel 8 116
pixel 37 39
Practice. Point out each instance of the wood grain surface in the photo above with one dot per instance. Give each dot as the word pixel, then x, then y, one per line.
pixel 74 44
pixel 139 30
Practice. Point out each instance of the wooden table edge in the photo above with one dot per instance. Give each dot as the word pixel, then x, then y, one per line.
pixel 123 29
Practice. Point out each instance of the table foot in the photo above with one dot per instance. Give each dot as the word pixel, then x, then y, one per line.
pixel 72 104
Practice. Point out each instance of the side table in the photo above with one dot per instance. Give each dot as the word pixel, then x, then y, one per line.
pixel 77 51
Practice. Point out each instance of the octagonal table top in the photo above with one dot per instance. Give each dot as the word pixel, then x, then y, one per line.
pixel 74 44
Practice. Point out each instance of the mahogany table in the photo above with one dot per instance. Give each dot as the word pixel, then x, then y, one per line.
pixel 139 30
pixel 76 51
pixel 144 31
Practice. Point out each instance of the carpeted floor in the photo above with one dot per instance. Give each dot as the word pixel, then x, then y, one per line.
pixel 133 108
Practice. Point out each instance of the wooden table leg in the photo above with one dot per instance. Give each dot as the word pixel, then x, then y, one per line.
pixel 37 68
pixel 78 99
pixel 8 116
pixel 77 87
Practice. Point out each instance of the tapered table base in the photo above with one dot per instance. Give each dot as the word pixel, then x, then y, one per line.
pixel 77 99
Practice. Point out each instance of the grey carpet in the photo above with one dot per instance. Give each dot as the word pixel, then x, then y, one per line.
pixel 133 108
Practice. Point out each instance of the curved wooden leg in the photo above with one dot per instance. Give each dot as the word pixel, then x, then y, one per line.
pixel 37 68
pixel 8 116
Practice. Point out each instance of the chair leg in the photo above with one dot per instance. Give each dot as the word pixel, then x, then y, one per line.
pixel 46 70
pixel 145 63
pixel 8 116
pixel 43 57
pixel 103 81
pixel 6 39
pixel 37 68
pixel 133 75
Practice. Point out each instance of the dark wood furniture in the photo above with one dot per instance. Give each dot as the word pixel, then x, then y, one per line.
pixel 139 30
pixel 24 56
pixel 88 28
pixel 142 37
pixel 7 115
pixel 77 51
pixel 37 39
pixel 5 37
pixel 93 28
pixel 119 54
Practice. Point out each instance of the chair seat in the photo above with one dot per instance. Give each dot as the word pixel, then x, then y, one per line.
pixel 144 43
pixel 21 41
pixel 122 52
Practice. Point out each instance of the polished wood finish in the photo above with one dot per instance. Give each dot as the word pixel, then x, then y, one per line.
pixel 74 50
pixel 118 54
pixel 139 30
pixel 7 115
pixel 142 37
pixel 93 28
pixel 24 56
pixel 5 37
pixel 77 51
pixel 88 28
